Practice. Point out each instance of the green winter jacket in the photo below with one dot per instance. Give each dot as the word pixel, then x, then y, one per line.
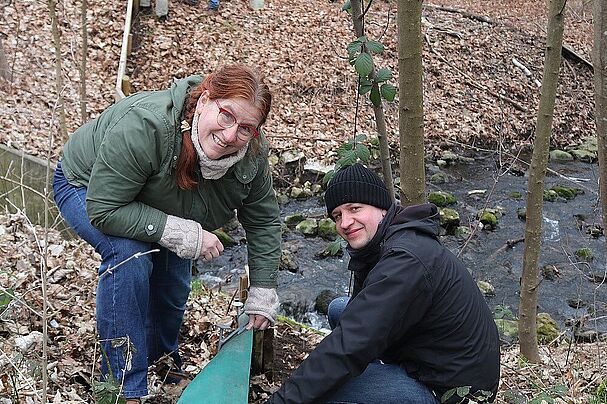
pixel 127 157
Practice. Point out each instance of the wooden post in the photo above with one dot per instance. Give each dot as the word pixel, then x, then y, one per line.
pixel 129 45
pixel 127 89
pixel 263 353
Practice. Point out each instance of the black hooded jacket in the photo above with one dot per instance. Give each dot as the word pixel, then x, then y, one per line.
pixel 413 304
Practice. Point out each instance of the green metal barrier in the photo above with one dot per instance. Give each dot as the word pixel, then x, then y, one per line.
pixel 225 379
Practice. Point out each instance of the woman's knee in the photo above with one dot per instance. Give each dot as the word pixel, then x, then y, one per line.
pixel 117 252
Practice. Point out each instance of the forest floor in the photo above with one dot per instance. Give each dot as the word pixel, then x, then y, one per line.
pixel 474 95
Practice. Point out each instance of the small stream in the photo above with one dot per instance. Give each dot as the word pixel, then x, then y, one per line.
pixel 576 289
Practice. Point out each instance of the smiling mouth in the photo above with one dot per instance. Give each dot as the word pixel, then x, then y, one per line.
pixel 219 143
pixel 351 232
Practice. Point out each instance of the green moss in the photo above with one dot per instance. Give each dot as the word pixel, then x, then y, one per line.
pixel 441 198
pixel 550 195
pixel 488 219
pixel 449 218
pixel 565 192
pixel 585 254
pixel 291 322
pixel 294 219
pixel 547 328
pixel 515 195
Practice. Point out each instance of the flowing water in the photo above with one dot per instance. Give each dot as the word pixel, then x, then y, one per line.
pixel 575 288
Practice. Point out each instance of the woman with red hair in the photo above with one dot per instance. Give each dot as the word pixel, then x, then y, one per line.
pixel 162 169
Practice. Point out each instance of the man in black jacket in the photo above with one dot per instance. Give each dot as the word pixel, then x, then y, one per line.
pixel 416 328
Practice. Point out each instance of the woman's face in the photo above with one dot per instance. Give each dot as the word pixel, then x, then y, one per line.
pixel 217 141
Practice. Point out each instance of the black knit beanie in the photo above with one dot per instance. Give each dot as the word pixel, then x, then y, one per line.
pixel 356 184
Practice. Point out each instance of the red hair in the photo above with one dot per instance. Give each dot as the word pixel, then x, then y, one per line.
pixel 231 81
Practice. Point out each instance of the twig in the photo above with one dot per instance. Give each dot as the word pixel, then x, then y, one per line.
pixel 525 70
pixel 40 194
pixel 136 255
pixel 15 297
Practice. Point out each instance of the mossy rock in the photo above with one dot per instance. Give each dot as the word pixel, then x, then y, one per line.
pixel 585 254
pixel 294 219
pixel 224 237
pixel 521 213
pixel 282 198
pixel 560 156
pixel 441 199
pixel 288 262
pixel 439 178
pixel 584 155
pixel 449 156
pixel 565 192
pixel 550 272
pixel 547 328
pixel 308 227
pixel 327 229
pixel 508 329
pixel 590 143
pixel 594 230
pixel 462 231
pixel 466 160
pixel 486 288
pixel 488 219
pixel 316 189
pixel 449 218
pixel 273 160
pixel 324 298
pixel 300 193
pixel 550 195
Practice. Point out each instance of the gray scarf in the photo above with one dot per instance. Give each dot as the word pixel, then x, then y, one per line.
pixel 214 169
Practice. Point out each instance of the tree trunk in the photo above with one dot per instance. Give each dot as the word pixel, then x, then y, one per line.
pixel 410 103
pixel 380 120
pixel 600 94
pixel 58 70
pixel 83 115
pixel 539 162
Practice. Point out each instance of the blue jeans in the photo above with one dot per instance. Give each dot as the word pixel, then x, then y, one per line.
pixel 140 303
pixel 380 382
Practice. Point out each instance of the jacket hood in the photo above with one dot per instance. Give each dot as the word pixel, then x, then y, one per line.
pixel 423 218
pixel 180 92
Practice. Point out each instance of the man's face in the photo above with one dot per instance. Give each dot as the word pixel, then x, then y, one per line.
pixel 357 223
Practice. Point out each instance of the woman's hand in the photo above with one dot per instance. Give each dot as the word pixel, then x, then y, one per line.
pixel 258 322
pixel 261 306
pixel 211 246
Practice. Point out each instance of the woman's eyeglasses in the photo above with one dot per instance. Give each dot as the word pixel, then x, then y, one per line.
pixel 226 120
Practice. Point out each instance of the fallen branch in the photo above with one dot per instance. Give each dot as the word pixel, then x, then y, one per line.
pixel 481 18
pixel 569 53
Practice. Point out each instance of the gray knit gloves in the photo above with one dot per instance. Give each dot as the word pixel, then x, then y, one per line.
pixel 263 301
pixel 183 237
